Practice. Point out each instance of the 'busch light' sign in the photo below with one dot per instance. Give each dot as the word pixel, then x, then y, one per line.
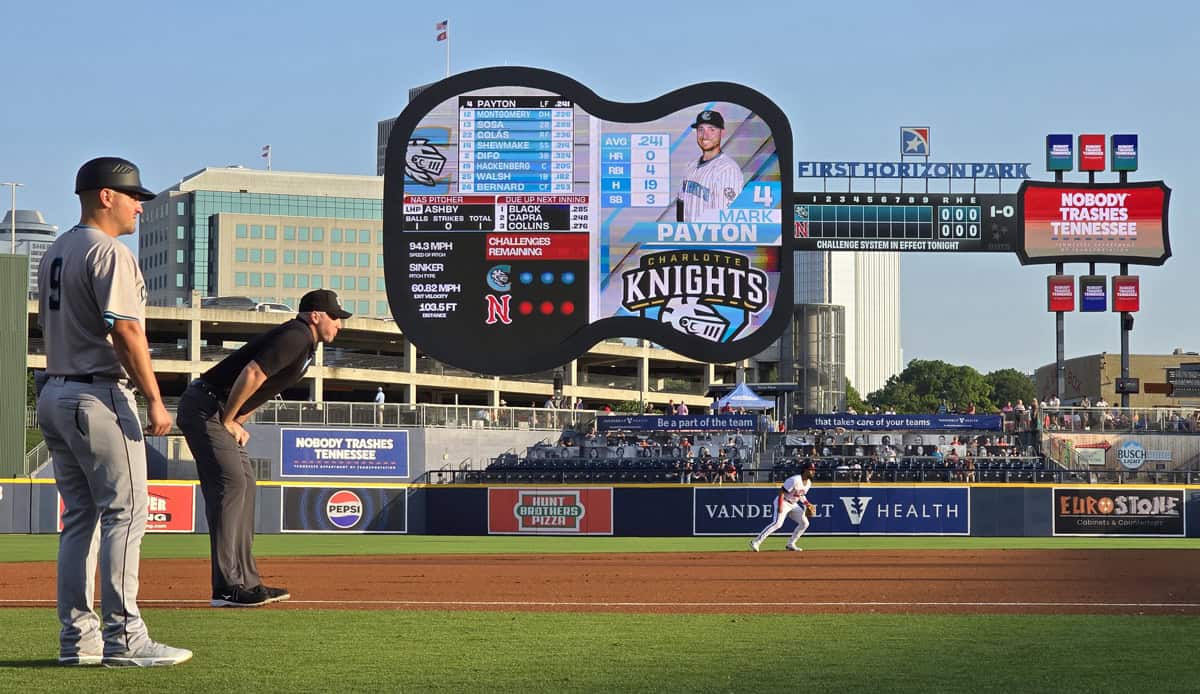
pixel 933 422
pixel 873 510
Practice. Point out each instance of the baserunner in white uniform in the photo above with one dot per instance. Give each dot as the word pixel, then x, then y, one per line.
pixel 91 307
pixel 791 502
pixel 713 181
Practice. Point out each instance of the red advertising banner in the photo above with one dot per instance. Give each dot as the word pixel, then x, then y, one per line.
pixel 550 511
pixel 526 246
pixel 1102 222
pixel 1126 293
pixel 1091 153
pixel 171 509
pixel 1060 293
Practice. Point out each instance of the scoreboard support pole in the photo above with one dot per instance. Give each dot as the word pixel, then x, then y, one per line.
pixel 1060 363
pixel 1126 327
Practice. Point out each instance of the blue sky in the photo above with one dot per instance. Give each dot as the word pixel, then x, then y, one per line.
pixel 177 87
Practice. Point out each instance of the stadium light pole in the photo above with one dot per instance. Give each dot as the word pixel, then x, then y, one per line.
pixel 12 215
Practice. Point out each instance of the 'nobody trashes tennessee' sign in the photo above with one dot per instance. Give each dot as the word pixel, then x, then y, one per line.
pixel 1114 222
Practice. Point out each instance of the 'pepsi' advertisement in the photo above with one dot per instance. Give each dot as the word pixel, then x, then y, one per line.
pixel 847 510
pixel 342 453
pixel 344 510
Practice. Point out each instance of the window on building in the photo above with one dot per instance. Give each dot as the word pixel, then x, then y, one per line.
pixel 364 307
pixel 239 279
pixel 335 258
pixel 289 257
pixel 289 280
pixel 256 231
pixel 335 282
pixel 179 255
pixel 302 281
pixel 335 235
pixel 364 260
pixel 255 279
pixel 240 231
pixel 379 260
pixel 350 236
pixel 180 232
pixel 179 280
pixel 379 237
pixel 239 255
pixel 269 256
pixel 302 233
pixel 380 286
pixel 349 259
pixel 364 284
pixel 318 233
pixel 289 233
pixel 181 209
pixel 316 281
pixel 348 282
pixel 318 257
pixel 381 308
pixel 302 257
pixel 256 255
pixel 268 279
pixel 364 236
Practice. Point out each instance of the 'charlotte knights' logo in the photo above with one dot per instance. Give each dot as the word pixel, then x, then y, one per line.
pixel 709 294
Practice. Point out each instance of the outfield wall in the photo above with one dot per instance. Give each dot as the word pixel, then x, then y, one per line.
pixel 357 506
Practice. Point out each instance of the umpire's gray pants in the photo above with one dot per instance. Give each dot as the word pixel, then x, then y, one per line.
pixel 95 440
pixel 227 481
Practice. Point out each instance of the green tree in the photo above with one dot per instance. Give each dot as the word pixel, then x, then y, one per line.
pixel 854 400
pixel 1010 385
pixel 926 384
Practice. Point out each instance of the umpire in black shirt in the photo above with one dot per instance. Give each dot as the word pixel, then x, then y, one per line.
pixel 211 413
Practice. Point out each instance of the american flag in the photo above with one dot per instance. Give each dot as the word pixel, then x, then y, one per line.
pixel 443 29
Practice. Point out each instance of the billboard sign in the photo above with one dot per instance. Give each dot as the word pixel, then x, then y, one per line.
pixel 344 453
pixel 1060 293
pixel 1060 152
pixel 1091 153
pixel 1093 293
pixel 550 219
pixel 1124 152
pixel 843 510
pixel 921 222
pixel 1093 222
pixel 171 508
pixel 370 510
pixel 550 511
pixel 1128 512
pixel 721 422
pixel 1126 293
pixel 893 422
pixel 914 141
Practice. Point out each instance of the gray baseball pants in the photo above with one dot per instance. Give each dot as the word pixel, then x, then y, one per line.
pixel 95 440
pixel 227 481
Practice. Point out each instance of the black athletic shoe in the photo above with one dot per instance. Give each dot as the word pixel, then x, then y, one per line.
pixel 239 597
pixel 275 594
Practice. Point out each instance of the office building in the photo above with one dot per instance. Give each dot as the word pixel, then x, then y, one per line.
pixel 34 236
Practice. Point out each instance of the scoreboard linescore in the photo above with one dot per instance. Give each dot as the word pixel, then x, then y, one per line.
pixel 923 222
pixel 534 220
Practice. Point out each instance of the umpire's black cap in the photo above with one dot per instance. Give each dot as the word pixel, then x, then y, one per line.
pixel 324 300
pixel 112 172
pixel 708 117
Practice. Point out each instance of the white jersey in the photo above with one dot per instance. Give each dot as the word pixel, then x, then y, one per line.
pixel 709 186
pixel 795 489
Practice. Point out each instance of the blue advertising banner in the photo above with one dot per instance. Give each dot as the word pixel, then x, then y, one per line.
pixel 844 510
pixel 1093 293
pixel 1060 152
pixel 344 453
pixel 697 422
pixel 932 422
pixel 343 510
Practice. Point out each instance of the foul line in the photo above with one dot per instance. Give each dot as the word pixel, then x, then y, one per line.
pixel 548 603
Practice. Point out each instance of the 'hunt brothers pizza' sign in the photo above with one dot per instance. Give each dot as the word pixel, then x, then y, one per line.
pixel 550 511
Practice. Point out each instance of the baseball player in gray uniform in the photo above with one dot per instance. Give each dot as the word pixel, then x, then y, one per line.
pixel 91 309
pixel 792 502
pixel 712 182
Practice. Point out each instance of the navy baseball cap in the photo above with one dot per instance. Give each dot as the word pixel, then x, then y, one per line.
pixel 808 466
pixel 709 118
pixel 324 300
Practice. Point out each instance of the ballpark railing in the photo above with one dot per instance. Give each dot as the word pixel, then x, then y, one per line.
pixel 330 413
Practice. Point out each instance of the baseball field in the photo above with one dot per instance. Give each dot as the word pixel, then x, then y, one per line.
pixel 530 614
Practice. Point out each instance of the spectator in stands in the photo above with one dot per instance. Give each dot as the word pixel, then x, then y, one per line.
pixel 1008 407
pixel 727 408
pixel 681 409
pixel 971 408
pixel 671 407
pixel 725 469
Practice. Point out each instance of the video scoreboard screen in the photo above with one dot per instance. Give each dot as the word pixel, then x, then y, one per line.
pixel 904 222
pixel 524 223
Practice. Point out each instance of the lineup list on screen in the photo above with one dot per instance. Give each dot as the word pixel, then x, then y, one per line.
pixel 515 144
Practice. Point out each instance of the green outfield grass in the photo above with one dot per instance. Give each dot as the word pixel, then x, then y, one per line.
pixel 43 547
pixel 349 651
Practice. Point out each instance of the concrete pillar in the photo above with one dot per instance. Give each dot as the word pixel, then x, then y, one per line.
pixel 410 356
pixel 194 337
